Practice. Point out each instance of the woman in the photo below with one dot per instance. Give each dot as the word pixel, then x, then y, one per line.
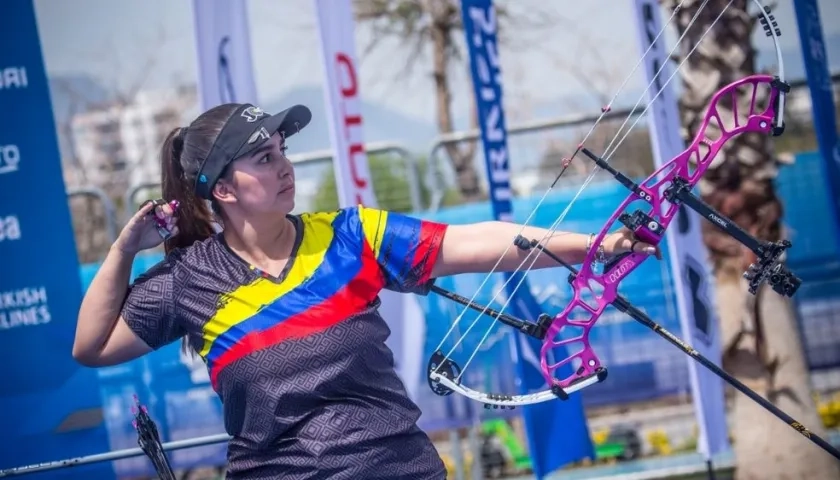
pixel 283 308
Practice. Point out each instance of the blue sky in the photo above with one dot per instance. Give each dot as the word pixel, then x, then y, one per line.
pixel 114 41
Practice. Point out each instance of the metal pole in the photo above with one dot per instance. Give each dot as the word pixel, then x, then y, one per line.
pixel 538 125
pixel 107 204
pixel 412 175
pixel 525 127
pixel 457 454
pixel 114 455
pixel 319 156
pixel 131 194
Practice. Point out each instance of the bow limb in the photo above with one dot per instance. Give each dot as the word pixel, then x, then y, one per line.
pixel 444 379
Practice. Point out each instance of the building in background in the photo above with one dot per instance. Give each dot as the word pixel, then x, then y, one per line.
pixel 116 145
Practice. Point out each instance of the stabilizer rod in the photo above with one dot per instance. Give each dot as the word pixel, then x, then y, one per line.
pixel 622 304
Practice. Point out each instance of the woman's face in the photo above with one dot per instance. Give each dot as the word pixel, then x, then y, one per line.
pixel 263 181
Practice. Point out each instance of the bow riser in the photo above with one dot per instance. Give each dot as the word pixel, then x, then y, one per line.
pixel 662 192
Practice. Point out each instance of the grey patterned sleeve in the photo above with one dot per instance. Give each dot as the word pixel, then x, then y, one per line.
pixel 151 307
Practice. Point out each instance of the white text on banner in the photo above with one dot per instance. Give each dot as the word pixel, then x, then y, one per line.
pixel 225 72
pixel 336 30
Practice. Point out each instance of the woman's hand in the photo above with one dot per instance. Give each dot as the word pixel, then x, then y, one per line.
pixel 141 231
pixel 624 240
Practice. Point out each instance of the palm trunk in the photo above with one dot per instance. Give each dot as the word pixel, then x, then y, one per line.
pixel 444 17
pixel 761 343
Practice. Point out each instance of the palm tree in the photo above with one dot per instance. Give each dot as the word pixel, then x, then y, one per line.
pixel 435 26
pixel 761 342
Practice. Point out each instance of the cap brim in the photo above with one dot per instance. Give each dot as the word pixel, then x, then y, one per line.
pixel 289 121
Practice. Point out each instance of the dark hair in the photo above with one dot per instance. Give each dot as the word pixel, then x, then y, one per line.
pixel 181 156
pixel 182 153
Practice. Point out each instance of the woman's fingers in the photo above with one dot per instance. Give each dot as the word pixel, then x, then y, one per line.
pixel 627 242
pixel 143 210
pixel 646 248
pixel 165 210
pixel 162 214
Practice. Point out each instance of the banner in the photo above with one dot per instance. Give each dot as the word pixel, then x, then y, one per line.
pixel 225 73
pixel 49 404
pixel 548 422
pixel 687 253
pixel 822 99
pixel 336 32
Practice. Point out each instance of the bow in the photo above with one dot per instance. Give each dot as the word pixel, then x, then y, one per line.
pixel 754 104
pixel 148 439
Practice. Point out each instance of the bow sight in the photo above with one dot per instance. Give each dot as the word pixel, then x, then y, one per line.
pixel 768 266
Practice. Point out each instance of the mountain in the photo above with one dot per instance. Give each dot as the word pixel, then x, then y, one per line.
pixel 381 124
pixel 385 124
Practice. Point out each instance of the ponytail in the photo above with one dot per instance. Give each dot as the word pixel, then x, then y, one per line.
pixel 181 156
pixel 194 219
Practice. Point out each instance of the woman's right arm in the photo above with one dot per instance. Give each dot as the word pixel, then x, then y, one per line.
pixel 104 336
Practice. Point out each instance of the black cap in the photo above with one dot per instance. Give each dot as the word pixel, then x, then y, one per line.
pixel 247 129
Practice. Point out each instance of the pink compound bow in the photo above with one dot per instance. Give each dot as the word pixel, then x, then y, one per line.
pixel 663 194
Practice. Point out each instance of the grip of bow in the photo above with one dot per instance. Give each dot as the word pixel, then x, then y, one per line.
pixel 751 104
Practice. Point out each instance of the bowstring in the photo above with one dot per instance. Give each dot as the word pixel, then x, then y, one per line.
pixel 551 231
pixel 527 221
pixel 676 70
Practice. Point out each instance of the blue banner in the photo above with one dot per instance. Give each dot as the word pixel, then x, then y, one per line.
pixel 49 405
pixel 545 423
pixel 822 97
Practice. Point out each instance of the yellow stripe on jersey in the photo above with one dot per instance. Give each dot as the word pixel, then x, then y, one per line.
pixel 373 224
pixel 247 300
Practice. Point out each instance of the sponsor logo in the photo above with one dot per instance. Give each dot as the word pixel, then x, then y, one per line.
pixel 252 114
pixel 24 307
pixel 348 89
pixel 9 228
pixel 13 77
pixel 620 271
pixel 9 158
pixel 717 220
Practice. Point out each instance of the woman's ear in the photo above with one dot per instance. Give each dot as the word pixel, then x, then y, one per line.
pixel 224 192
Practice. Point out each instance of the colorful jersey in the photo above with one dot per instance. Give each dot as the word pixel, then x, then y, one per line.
pixel 300 363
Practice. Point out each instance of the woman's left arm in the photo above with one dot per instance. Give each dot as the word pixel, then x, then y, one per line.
pixel 475 248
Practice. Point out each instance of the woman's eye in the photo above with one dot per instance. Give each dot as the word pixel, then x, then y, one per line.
pixel 266 159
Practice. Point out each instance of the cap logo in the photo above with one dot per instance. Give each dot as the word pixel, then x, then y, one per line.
pixel 252 114
pixel 261 134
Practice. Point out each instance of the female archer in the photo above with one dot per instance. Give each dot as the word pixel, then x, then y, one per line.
pixel 283 308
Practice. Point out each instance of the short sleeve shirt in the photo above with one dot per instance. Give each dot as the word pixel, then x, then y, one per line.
pixel 300 363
